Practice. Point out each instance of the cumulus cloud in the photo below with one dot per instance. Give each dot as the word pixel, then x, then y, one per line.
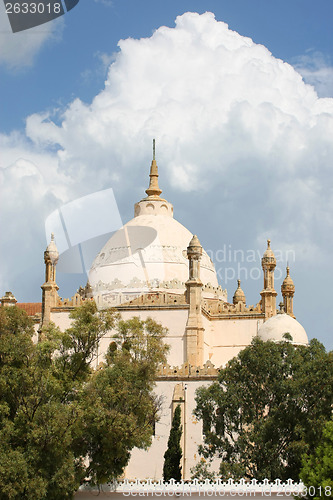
pixel 236 128
pixel 220 105
pixel 18 50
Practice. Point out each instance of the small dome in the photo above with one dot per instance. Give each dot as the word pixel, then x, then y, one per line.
pixel 269 254
pixel 194 242
pixel 288 283
pixel 51 251
pixel 239 295
pixel 276 327
pixel 194 248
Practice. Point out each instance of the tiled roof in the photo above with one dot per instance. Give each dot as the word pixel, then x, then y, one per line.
pixel 31 308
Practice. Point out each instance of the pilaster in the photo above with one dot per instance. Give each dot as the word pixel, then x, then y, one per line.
pixel 194 331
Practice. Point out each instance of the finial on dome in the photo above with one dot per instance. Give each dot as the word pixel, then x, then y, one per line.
pixel 52 236
pixel 268 243
pixel 154 190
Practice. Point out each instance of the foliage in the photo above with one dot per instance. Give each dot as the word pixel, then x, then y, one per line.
pixel 317 470
pixel 202 472
pixel 172 468
pixel 268 407
pixel 60 421
pixel 120 409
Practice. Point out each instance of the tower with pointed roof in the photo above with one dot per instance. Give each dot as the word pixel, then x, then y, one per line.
pixel 50 287
pixel 239 295
pixel 194 330
pixel 288 291
pixel 268 294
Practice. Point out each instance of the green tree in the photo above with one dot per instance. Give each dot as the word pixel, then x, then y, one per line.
pixel 202 472
pixel 172 468
pixel 119 406
pixel 317 470
pixel 268 407
pixel 61 421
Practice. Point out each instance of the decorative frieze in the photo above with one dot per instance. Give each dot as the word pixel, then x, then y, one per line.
pixel 187 371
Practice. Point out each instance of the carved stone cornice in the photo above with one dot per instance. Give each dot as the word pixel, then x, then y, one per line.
pixel 215 309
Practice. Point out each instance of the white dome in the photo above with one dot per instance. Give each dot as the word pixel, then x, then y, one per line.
pixel 148 254
pixel 275 328
pixel 149 249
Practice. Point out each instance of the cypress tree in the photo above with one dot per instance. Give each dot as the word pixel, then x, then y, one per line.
pixel 172 456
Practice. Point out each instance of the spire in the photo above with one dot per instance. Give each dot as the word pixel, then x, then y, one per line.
pixel 153 204
pixel 153 191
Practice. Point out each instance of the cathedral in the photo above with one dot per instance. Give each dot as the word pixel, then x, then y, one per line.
pixel 154 267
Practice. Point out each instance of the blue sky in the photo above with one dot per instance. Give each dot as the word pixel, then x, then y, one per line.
pixel 252 183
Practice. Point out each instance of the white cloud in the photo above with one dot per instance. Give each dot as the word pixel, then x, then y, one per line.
pixel 31 188
pixel 18 50
pixel 220 106
pixel 317 70
pixel 240 137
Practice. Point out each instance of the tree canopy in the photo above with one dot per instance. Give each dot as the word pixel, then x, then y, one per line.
pixel 317 470
pixel 268 407
pixel 62 423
